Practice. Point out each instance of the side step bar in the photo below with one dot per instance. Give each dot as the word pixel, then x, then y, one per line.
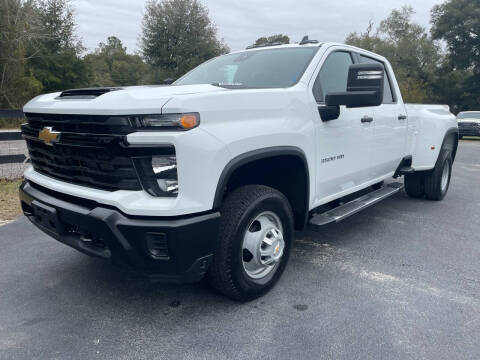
pixel 348 209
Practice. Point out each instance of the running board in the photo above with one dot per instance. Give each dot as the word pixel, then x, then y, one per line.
pixel 348 209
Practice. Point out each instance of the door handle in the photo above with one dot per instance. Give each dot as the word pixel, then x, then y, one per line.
pixel 402 117
pixel 367 119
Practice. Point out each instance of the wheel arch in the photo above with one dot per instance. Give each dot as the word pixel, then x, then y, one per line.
pixel 258 166
pixel 451 133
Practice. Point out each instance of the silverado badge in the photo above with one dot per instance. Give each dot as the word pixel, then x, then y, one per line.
pixel 48 136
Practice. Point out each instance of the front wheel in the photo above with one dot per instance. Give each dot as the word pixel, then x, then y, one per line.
pixel 253 247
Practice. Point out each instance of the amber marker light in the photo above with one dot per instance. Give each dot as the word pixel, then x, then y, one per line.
pixel 189 121
pixel 185 121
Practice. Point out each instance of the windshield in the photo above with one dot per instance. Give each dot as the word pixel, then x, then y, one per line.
pixel 469 115
pixel 272 68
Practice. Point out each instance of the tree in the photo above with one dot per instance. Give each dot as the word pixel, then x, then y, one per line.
pixel 110 65
pixel 54 56
pixel 457 22
pixel 413 54
pixel 279 38
pixel 16 29
pixel 178 35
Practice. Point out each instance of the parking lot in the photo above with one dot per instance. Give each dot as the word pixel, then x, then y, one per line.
pixel 400 280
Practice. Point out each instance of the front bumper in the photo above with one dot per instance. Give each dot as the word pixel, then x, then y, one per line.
pixel 187 242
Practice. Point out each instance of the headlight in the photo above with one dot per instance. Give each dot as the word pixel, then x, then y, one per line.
pixel 166 121
pixel 158 174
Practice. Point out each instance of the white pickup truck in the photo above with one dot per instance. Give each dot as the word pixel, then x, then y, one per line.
pixel 213 174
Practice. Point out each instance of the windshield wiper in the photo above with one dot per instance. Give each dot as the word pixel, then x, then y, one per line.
pixel 231 85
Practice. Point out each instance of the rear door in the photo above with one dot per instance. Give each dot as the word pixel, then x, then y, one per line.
pixel 343 144
pixel 389 127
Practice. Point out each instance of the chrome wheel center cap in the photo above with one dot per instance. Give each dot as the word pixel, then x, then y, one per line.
pixel 271 248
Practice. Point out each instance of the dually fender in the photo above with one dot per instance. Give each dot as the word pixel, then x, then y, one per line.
pixel 430 126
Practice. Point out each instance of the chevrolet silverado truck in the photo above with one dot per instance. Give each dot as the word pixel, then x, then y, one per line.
pixel 211 175
pixel 468 123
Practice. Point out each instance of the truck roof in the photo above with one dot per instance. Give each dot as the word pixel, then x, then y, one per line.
pixel 309 44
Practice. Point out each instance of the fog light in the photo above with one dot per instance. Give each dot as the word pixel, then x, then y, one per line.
pixel 158 174
pixel 165 170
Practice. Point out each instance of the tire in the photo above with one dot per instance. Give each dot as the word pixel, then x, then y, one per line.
pixel 460 137
pixel 246 211
pixel 414 185
pixel 437 181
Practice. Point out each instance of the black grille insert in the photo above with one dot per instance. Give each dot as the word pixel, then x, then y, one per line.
pixel 93 124
pixel 91 150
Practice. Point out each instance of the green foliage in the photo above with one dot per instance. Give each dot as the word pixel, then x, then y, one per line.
pixel 16 83
pixel 279 38
pixel 54 55
pixel 10 123
pixel 411 51
pixel 178 35
pixel 457 23
pixel 110 65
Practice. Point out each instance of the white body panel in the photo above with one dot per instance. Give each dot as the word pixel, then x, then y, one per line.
pixel 427 127
pixel 234 122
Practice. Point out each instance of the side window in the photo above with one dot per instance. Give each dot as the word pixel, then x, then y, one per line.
pixel 387 88
pixel 333 76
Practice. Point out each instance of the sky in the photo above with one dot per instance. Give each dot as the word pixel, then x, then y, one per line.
pixel 240 23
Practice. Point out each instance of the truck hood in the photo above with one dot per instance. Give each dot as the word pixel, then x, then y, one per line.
pixel 128 100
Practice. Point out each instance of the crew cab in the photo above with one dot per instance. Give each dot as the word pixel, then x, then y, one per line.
pixel 469 123
pixel 211 175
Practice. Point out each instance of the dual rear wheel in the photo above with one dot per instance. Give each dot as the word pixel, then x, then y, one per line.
pixel 433 184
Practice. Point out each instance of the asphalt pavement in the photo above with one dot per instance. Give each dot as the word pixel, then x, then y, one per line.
pixel 400 280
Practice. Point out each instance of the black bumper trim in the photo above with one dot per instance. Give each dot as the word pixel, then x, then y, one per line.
pixel 121 239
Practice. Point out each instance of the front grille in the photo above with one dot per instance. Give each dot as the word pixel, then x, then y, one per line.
pixel 468 128
pixel 91 150
pixel 93 124
pixel 468 125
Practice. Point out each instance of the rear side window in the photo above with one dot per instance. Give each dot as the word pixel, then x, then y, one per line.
pixel 333 76
pixel 388 97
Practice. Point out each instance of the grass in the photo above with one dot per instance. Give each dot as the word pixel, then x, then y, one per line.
pixel 11 123
pixel 9 203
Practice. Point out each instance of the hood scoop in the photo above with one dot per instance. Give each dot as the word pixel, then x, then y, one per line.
pixel 87 93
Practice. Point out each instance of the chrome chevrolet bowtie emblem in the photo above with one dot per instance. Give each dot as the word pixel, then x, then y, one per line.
pixel 48 136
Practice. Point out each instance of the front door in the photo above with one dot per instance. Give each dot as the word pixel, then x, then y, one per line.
pixel 343 144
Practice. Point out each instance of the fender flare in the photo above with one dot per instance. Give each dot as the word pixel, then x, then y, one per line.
pixel 260 154
pixel 449 132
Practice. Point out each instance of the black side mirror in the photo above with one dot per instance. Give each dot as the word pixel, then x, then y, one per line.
pixel 364 87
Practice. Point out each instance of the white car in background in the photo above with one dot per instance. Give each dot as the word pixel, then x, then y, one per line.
pixel 469 123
